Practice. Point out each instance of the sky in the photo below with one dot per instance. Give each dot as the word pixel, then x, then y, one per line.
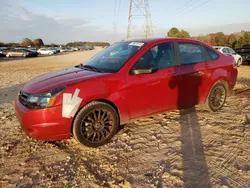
pixel 62 21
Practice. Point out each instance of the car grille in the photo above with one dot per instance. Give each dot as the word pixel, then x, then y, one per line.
pixel 23 98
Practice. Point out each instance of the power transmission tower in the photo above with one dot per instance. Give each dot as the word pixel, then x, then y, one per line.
pixel 139 20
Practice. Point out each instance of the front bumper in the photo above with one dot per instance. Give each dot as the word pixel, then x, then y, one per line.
pixel 43 124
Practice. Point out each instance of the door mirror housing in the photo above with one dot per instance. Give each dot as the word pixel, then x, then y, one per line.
pixel 143 67
pixel 144 71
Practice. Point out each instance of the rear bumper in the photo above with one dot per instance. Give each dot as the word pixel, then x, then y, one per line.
pixel 232 80
pixel 43 124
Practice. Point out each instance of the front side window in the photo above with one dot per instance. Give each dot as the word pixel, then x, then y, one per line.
pixel 114 57
pixel 160 56
pixel 191 53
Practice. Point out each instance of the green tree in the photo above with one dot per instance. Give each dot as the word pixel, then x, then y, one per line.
pixel 38 42
pixel 220 39
pixel 174 32
pixel 184 34
pixel 27 42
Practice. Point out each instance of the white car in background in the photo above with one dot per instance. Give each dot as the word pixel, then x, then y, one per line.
pixel 229 51
pixel 45 51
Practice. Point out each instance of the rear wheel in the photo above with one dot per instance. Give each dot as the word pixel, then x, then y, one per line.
pixel 217 97
pixel 95 124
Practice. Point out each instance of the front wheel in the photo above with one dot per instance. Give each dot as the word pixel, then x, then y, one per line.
pixel 95 124
pixel 217 97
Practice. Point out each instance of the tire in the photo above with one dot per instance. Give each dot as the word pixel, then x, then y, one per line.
pixel 88 128
pixel 7 55
pixel 50 53
pixel 248 62
pixel 217 96
pixel 24 55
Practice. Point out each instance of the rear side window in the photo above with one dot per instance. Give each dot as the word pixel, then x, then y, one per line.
pixel 212 54
pixel 191 53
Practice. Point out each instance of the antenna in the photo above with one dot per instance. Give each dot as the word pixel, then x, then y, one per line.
pixel 139 20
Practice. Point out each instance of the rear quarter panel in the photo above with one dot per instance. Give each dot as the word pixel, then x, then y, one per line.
pixel 223 70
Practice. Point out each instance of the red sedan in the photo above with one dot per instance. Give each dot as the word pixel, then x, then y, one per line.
pixel 125 81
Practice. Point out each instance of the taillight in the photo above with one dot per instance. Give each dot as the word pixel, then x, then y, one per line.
pixel 234 63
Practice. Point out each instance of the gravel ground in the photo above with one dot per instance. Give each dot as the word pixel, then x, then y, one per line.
pixel 188 148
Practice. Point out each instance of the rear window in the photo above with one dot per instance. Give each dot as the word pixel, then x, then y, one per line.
pixel 212 54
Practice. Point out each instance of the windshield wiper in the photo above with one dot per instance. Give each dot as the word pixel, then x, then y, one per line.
pixel 90 67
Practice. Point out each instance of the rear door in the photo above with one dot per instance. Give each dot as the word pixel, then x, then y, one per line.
pixel 195 74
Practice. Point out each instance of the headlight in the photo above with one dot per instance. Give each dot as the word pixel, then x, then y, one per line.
pixel 43 100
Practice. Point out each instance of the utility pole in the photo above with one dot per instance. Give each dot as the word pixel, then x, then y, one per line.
pixel 139 20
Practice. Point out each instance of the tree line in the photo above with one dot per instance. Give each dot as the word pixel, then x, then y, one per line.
pixel 75 44
pixel 39 43
pixel 233 40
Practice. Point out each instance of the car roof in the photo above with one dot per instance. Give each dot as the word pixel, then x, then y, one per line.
pixel 172 39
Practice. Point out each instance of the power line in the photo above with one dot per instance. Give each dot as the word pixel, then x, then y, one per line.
pixel 196 7
pixel 114 18
pixel 188 6
pixel 116 13
pixel 184 5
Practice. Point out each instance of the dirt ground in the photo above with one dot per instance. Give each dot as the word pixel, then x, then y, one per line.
pixel 189 148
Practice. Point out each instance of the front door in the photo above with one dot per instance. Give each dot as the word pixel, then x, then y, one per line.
pixel 152 93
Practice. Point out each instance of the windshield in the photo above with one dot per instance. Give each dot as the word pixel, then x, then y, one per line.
pixel 114 57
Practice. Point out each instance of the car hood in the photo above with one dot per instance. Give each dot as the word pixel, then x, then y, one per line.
pixel 59 78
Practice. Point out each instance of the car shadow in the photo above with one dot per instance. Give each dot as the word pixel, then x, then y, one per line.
pixel 195 170
pixel 7 95
pixel 193 161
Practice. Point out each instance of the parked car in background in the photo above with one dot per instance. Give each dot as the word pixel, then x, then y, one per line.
pixel 33 53
pixel 244 51
pixel 62 49
pixel 45 51
pixel 91 100
pixel 54 49
pixel 32 49
pixel 229 51
pixel 20 53
pixel 76 49
pixel 68 49
pixel 2 52
pixel 5 50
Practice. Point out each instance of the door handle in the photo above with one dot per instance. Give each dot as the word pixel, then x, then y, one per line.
pixel 171 73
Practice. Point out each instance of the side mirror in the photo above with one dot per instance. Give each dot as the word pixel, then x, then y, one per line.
pixel 143 67
pixel 144 71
